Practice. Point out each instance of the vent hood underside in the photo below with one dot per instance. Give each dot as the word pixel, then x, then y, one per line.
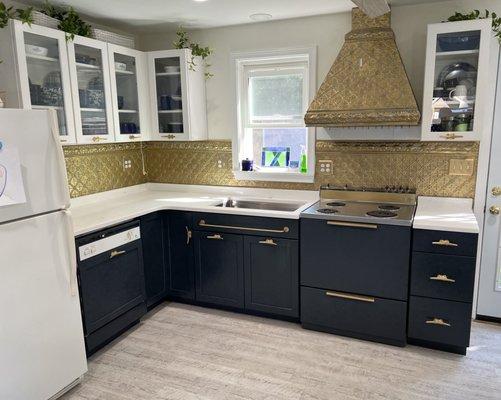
pixel 367 85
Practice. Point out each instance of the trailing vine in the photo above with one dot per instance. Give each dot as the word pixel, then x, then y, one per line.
pixel 183 42
pixel 475 14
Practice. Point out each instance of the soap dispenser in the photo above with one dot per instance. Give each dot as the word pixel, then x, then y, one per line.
pixel 303 165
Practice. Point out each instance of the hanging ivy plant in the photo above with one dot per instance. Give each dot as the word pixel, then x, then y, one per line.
pixel 26 15
pixel 6 13
pixel 183 42
pixel 52 11
pixel 475 14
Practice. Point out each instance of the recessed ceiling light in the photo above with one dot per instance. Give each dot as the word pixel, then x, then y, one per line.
pixel 199 1
pixel 261 17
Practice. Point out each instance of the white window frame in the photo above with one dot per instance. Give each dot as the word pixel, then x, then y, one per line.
pixel 242 63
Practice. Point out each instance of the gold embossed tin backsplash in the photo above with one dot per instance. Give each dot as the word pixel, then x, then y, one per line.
pixel 420 165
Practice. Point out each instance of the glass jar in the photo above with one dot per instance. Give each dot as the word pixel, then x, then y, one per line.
pixel 462 122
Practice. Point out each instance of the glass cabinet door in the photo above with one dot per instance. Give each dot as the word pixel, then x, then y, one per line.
pixel 91 88
pixel 128 84
pixel 454 95
pixel 169 96
pixel 47 79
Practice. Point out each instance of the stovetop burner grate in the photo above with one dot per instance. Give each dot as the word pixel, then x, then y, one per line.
pixel 327 210
pixel 388 207
pixel 382 214
pixel 336 204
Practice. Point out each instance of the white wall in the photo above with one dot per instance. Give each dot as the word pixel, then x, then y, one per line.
pixel 326 32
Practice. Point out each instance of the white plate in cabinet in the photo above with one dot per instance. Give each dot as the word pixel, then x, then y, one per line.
pixel 129 91
pixel 456 83
pixel 177 92
pixel 35 73
pixel 91 88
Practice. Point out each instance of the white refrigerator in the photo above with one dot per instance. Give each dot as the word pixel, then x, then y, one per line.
pixel 42 351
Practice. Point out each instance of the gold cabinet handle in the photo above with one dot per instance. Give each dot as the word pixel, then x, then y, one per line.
pixel 496 191
pixel 285 229
pixel 132 137
pixel 437 321
pixel 215 237
pixel 442 278
pixel 445 242
pixel 268 242
pixel 189 235
pixel 352 224
pixel 451 136
pixel 347 296
pixel 494 210
pixel 116 253
pixel 97 139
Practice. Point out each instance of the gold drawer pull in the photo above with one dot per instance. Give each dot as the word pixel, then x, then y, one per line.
pixel 116 253
pixel 268 242
pixel 351 297
pixel 445 242
pixel 285 229
pixel 215 237
pixel 352 224
pixel 437 321
pixel 442 278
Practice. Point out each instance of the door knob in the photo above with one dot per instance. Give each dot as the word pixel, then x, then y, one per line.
pixel 496 191
pixel 494 210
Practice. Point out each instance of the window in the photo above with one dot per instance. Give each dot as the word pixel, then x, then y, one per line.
pixel 274 90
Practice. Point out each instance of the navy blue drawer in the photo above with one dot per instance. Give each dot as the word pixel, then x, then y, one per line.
pixel 352 315
pixel 355 259
pixel 442 276
pixel 259 226
pixel 453 243
pixel 440 321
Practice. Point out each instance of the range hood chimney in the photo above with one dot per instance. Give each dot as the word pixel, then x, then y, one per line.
pixel 367 85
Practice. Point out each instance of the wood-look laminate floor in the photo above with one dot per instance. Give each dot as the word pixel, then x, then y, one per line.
pixel 185 352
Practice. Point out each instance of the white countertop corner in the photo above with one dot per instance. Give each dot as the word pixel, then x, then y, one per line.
pixel 445 214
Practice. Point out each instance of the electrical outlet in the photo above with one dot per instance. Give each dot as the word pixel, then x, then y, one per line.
pixel 325 167
pixel 462 167
pixel 126 164
pixel 220 163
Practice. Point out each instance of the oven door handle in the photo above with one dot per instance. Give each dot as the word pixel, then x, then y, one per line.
pixel 352 224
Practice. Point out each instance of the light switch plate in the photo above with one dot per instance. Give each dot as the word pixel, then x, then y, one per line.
pixel 461 167
pixel 324 167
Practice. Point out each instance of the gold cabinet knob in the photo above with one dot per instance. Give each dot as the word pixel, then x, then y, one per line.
pixel 496 191
pixel 495 210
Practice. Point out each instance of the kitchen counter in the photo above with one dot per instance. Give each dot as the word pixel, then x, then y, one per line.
pixel 98 211
pixel 445 214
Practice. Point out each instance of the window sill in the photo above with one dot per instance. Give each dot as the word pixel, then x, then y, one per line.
pixel 273 176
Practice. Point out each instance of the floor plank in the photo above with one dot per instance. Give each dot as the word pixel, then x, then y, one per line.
pixel 183 352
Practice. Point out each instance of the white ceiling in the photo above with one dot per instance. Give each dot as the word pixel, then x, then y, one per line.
pixel 155 15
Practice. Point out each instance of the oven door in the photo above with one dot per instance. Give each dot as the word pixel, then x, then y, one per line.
pixel 356 258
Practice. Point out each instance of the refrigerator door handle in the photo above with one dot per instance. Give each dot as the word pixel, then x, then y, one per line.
pixel 72 252
pixel 60 154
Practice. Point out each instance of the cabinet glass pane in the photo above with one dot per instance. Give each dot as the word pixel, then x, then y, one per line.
pixel 455 85
pixel 127 95
pixel 44 73
pixel 89 65
pixel 170 105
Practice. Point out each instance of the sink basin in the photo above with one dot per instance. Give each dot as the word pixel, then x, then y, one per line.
pixel 260 205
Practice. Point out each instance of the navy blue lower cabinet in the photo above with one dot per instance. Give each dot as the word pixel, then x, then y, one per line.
pixel 219 268
pixel 348 314
pixel 180 265
pixel 152 237
pixel 356 259
pixel 271 275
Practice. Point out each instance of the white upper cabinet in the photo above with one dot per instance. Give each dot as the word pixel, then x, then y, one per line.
pixel 35 72
pixel 91 87
pixel 456 80
pixel 129 91
pixel 177 91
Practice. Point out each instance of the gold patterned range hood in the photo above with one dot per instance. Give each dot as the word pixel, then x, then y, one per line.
pixel 367 85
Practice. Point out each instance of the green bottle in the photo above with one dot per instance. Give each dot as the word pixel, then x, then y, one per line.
pixel 303 165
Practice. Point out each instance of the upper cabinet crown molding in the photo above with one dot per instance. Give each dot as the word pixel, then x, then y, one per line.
pixel 456 83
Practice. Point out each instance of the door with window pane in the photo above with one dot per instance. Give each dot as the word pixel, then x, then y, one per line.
pixel 44 74
pixel 91 87
pixel 129 92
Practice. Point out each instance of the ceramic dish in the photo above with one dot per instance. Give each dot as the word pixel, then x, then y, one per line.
pixel 172 68
pixel 460 73
pixel 120 66
pixel 36 50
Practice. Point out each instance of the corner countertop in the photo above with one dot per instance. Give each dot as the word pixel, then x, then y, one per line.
pixel 98 211
pixel 445 214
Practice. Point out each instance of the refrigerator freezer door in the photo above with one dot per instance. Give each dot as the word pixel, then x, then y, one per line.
pixel 33 133
pixel 42 347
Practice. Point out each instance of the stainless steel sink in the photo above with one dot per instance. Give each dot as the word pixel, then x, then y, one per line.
pixel 260 205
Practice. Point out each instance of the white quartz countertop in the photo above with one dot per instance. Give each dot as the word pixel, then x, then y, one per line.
pixel 98 211
pixel 445 214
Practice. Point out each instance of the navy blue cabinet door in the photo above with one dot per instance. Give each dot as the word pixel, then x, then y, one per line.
pixel 271 275
pixel 219 268
pixel 180 267
pixel 153 258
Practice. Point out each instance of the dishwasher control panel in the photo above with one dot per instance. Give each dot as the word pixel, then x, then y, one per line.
pixel 109 243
